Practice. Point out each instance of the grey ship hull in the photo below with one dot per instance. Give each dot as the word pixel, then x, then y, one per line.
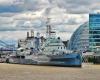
pixel 72 59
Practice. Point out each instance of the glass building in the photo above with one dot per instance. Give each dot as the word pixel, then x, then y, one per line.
pixel 94 31
pixel 79 41
pixel 87 36
pixel 86 39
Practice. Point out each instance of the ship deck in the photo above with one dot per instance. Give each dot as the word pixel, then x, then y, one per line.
pixel 34 72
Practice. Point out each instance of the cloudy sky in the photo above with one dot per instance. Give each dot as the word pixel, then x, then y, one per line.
pixel 19 16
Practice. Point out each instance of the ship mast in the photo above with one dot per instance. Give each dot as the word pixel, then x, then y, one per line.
pixel 49 31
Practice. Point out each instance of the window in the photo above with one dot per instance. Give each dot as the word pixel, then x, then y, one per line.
pixel 94 36
pixel 94 32
pixel 21 50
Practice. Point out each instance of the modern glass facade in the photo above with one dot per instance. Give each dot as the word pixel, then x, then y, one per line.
pixel 87 36
pixel 94 31
pixel 79 41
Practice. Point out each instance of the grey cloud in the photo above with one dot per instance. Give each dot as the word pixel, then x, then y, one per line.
pixel 72 21
pixel 77 5
pixel 73 7
pixel 22 5
pixel 9 14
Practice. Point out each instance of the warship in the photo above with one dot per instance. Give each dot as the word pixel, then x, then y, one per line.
pixel 44 51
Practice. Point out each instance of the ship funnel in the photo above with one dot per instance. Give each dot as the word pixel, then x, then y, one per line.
pixel 27 34
pixel 32 33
